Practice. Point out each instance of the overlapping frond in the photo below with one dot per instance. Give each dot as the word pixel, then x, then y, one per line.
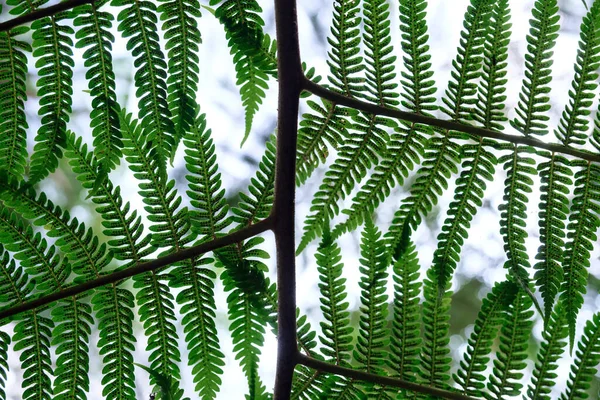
pixel 519 167
pixel 405 148
pixel 13 94
pixel 552 347
pixel 435 351
pixel 93 34
pixel 405 341
pixel 510 359
pixel 555 175
pixel 442 152
pixel 86 258
pixel 573 125
pixel 138 23
pixel 253 51
pixel 119 221
pixel 32 335
pixel 112 304
pixel 587 357
pixel 471 373
pixel 53 47
pixel 252 297
pixel 171 225
pixel 307 383
pixel 584 221
pixel 478 163
pixel 183 39
pixel 208 220
pixel 329 121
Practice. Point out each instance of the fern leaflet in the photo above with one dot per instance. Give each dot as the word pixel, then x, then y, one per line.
pixel 586 360
pixel 470 376
pixel 511 356
pixel 94 34
pixel 13 94
pixel 52 46
pixel 138 23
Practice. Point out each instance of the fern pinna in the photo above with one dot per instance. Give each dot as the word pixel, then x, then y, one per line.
pixel 66 274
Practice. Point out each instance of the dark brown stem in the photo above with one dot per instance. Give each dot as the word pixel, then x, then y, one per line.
pixel 158 263
pixel 378 379
pixel 444 124
pixel 42 13
pixel 289 73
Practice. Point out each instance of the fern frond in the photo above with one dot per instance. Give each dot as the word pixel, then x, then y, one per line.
pixel 197 298
pixel 510 359
pixel 252 299
pixel 513 212
pixel 209 218
pixel 478 167
pixel 356 156
pixel 584 221
pixel 533 100
pixel 461 94
pixel 587 357
pixel 171 225
pixel 442 153
pixel 471 373
pixel 253 52
pixel 53 47
pixel 119 223
pixel 138 23
pixel 257 205
pixel 248 312
pixel 112 304
pixel 554 341
pixel 379 55
pixel 435 353
pixel 345 61
pixel 32 335
pixel 405 147
pixel 307 383
pixel 328 123
pixel 372 332
pixel 183 39
pixel 198 310
pixel 86 255
pixel 71 337
pixel 13 94
pixel 554 208
pixel 574 123
pixel 405 340
pixel 93 33
pixel 170 230
pixel 336 329
pixel 87 259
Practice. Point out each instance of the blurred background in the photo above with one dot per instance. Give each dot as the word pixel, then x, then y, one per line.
pixel 482 256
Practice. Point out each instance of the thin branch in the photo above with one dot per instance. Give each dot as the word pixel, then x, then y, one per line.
pixel 289 74
pixel 42 13
pixel 137 269
pixel 444 124
pixel 378 379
